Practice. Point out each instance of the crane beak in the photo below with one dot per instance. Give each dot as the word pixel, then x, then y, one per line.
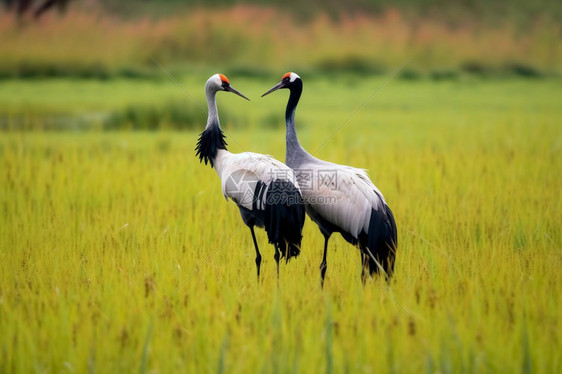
pixel 274 88
pixel 231 89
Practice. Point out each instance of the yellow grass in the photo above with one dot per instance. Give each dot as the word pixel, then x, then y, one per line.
pixel 118 252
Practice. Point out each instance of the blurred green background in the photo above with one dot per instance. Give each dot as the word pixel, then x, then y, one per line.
pixel 105 38
pixel 74 44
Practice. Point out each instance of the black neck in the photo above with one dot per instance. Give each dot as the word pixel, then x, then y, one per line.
pixel 296 91
pixel 210 141
pixel 293 149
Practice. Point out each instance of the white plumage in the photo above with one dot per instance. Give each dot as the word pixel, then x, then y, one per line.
pixel 240 173
pixel 348 194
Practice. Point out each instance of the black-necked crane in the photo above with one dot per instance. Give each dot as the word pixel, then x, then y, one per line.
pixel 340 198
pixel 264 189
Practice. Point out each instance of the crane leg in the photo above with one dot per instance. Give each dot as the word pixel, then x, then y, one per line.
pixel 258 255
pixel 277 256
pixel 324 264
pixel 365 264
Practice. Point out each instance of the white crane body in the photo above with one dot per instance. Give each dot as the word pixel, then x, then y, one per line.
pixel 264 189
pixel 340 198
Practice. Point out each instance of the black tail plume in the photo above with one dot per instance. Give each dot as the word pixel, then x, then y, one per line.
pixel 382 241
pixel 284 217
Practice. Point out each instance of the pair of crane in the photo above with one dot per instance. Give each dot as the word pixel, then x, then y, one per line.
pixel 275 196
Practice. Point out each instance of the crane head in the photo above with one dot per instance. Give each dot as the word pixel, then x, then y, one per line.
pixel 219 82
pixel 288 80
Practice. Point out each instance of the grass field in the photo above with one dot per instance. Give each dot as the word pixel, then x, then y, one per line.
pixel 118 252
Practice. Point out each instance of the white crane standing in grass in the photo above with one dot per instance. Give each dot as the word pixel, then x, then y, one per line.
pixel 264 189
pixel 340 198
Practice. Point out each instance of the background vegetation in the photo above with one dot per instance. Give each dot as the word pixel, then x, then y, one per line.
pixel 118 252
pixel 440 39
